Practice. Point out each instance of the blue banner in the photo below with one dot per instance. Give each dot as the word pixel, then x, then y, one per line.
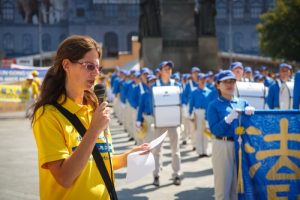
pixel 270 167
pixel 8 75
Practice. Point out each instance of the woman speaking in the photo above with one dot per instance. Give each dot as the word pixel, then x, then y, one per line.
pixel 67 166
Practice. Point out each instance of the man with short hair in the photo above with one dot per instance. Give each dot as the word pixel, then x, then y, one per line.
pixel 166 68
pixel 248 74
pixel 238 70
pixel 279 96
pixel 190 86
pixel 198 103
pixel 268 81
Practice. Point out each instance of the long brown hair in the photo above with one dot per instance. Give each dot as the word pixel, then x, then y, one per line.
pixel 73 48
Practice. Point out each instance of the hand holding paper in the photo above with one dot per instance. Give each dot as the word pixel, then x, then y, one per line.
pixel 141 163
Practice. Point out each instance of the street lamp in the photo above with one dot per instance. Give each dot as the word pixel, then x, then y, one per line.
pixel 230 30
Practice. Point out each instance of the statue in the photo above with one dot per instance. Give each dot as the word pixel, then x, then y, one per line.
pixel 28 9
pixel 207 14
pixel 197 17
pixel 43 10
pixel 149 23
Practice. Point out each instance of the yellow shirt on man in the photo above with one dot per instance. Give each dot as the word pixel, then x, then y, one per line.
pixel 57 139
pixel 33 89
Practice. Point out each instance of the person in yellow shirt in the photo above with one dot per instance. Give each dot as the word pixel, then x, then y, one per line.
pixel 33 89
pixel 36 78
pixel 67 169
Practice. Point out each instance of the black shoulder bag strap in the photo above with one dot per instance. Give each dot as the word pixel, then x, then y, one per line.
pixel 96 154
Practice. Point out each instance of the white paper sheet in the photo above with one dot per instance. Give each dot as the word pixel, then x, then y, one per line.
pixel 139 165
pixel 158 140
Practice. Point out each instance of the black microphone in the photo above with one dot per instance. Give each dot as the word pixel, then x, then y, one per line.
pixel 100 92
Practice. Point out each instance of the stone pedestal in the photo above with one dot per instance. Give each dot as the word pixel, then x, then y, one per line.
pixel 151 51
pixel 179 41
pixel 208 52
pixel 184 57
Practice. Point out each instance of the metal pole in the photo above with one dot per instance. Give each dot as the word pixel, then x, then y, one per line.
pixel 40 34
pixel 230 30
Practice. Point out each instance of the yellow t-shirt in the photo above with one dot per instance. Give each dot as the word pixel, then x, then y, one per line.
pixel 38 81
pixel 57 139
pixel 35 90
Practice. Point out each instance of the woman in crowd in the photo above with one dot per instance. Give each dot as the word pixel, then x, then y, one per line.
pixel 222 116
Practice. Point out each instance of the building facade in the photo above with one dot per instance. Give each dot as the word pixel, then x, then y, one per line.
pixel 32 26
pixel 236 22
pixel 25 31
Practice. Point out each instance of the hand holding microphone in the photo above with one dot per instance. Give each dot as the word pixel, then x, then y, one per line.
pixel 100 119
pixel 101 116
pixel 100 92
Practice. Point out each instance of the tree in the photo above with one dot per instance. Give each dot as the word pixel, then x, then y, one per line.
pixel 279 31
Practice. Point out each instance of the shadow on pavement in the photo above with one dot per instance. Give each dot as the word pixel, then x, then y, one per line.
pixel 206 172
pixel 198 193
pixel 120 175
pixel 131 193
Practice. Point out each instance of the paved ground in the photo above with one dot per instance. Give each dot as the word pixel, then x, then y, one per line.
pixel 18 166
pixel 19 172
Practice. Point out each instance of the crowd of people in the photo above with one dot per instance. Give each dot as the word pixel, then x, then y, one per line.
pixel 210 107
pixel 69 161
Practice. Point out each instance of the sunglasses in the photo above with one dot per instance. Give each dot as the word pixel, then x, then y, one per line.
pixel 90 66
pixel 229 81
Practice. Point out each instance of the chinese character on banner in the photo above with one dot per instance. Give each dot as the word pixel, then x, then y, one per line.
pixel 270 167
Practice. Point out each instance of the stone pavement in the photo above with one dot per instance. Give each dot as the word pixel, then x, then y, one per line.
pixel 18 155
pixel 19 172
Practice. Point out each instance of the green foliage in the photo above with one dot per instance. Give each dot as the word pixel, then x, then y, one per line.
pixel 279 31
